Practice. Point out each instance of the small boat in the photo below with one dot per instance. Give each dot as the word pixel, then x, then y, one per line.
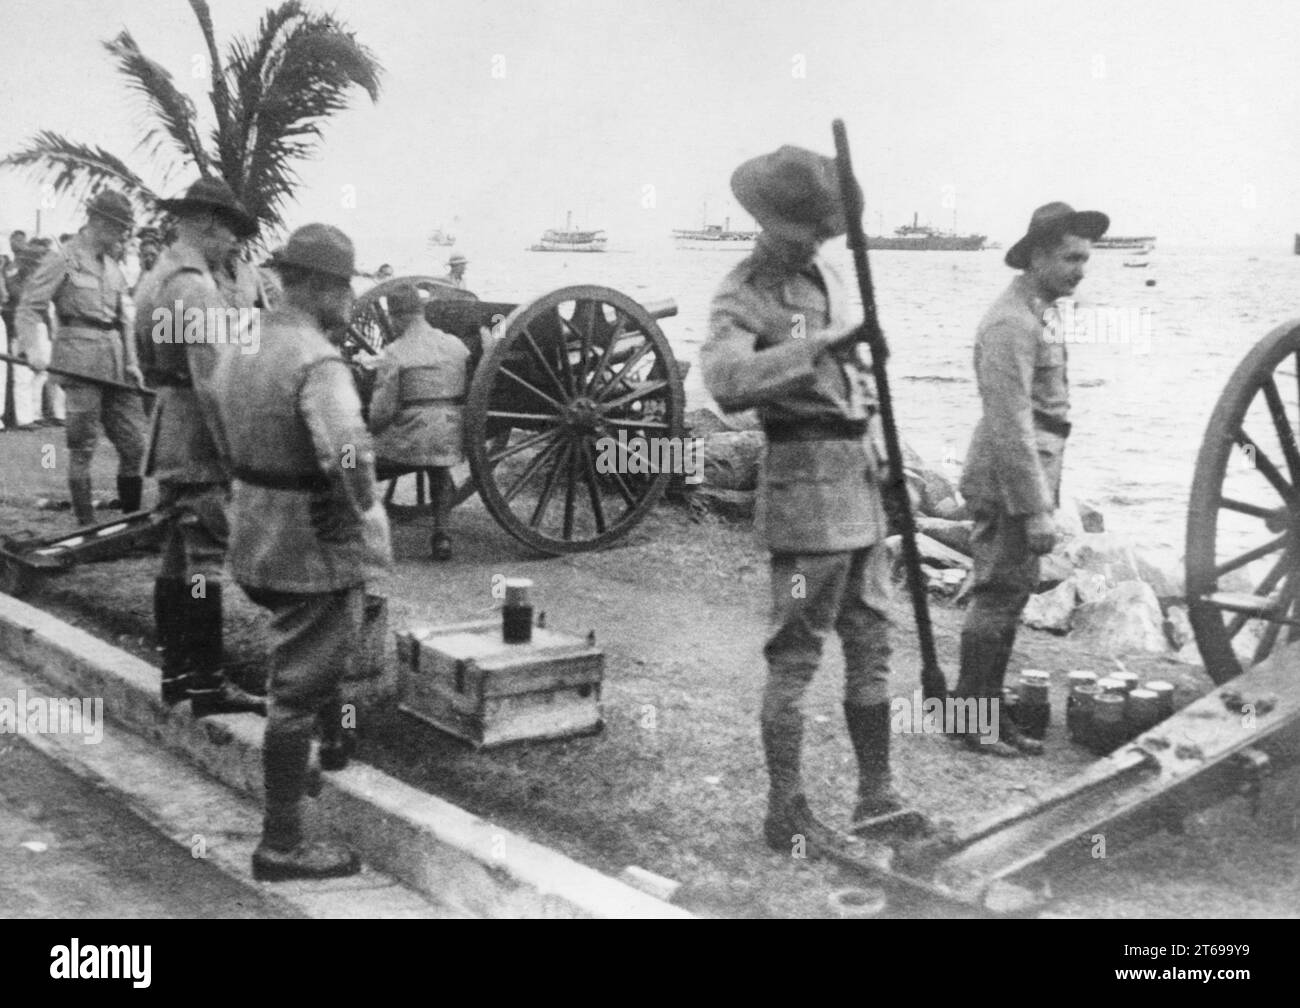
pixel 1136 265
pixel 439 237
pixel 1125 243
pixel 715 237
pixel 569 239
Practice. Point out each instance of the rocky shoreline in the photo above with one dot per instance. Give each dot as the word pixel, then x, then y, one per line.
pixel 1103 588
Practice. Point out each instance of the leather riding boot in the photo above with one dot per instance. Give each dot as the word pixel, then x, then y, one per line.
pixel 337 744
pixel 129 491
pixel 1007 727
pixel 869 731
pixel 211 692
pixel 170 595
pixel 283 852
pixel 83 505
pixel 983 665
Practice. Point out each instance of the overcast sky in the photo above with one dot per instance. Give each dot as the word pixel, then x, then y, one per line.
pixel 1178 118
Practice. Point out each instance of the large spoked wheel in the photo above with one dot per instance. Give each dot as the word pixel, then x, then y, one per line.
pixel 574 420
pixel 1243 524
pixel 371 329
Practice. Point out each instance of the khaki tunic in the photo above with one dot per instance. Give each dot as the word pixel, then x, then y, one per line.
pixel 305 517
pixel 767 349
pixel 80 286
pixel 419 394
pixel 1014 462
pixel 181 447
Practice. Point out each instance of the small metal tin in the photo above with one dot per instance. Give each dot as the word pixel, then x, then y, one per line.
pixel 1129 679
pixel 1113 684
pixel 1142 710
pixel 1079 677
pixel 1164 691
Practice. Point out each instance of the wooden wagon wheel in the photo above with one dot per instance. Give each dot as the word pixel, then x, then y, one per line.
pixel 1244 510
pixel 371 328
pixel 577 383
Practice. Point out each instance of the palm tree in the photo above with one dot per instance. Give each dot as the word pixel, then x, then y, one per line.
pixel 269 101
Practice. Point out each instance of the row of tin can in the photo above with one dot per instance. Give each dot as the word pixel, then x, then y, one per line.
pixel 1101 713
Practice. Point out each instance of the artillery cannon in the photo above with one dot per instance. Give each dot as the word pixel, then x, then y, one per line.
pixel 555 383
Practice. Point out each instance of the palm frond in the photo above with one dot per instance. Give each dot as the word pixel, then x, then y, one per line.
pixel 220 93
pixel 169 107
pixel 246 64
pixel 78 171
pixel 308 79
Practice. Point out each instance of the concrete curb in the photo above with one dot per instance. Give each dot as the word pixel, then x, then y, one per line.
pixel 431 845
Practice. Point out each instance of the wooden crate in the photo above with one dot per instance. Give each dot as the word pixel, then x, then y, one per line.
pixel 465 680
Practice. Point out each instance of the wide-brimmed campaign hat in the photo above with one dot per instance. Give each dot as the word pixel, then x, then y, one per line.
pixel 214 194
pixel 792 193
pixel 320 248
pixel 1053 220
pixel 457 259
pixel 112 206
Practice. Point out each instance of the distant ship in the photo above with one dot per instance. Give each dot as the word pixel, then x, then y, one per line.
pixel 569 240
pixel 1126 243
pixel 715 237
pixel 915 237
pixel 441 237
pixel 1297 244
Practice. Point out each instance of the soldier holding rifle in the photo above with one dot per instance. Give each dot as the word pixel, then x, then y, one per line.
pixel 783 340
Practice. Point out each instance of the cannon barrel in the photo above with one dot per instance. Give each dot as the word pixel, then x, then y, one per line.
pixel 663 308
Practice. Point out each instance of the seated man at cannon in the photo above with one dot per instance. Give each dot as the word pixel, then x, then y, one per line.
pixel 415 411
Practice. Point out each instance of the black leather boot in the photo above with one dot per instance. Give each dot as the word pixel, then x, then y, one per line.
pixel 83 504
pixel 1008 730
pixel 129 491
pixel 869 732
pixel 210 691
pixel 170 596
pixel 983 664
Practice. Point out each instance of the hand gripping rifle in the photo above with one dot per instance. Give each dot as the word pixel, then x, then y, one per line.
pixel 932 681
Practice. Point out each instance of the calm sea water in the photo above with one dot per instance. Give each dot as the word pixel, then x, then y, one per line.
pixel 1139 407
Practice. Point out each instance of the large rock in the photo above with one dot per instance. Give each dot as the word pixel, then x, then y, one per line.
pixel 1178 628
pixel 1050 610
pixel 731 459
pixel 1089 586
pixel 1126 621
pixel 952 509
pixel 1091 517
pixel 1104 553
pixel 729 505
pixel 1053 568
pixel 1162 574
pixel 1068 522
pixel 953 534
pixel 933 553
pixel 703 422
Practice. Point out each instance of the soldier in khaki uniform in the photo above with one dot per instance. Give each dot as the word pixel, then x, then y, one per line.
pixel 306 528
pixel 183 329
pixel 417 406
pixel 1012 476
pixel 89 293
pixel 783 340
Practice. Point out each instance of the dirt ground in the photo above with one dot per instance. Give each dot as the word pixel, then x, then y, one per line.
pixel 675 783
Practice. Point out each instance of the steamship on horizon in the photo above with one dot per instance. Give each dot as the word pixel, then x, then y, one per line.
pixel 919 238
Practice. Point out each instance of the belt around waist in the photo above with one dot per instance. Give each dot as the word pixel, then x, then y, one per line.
pixel 301 482
pixel 1051 424
pixel 81 322
pixel 436 401
pixel 817 430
